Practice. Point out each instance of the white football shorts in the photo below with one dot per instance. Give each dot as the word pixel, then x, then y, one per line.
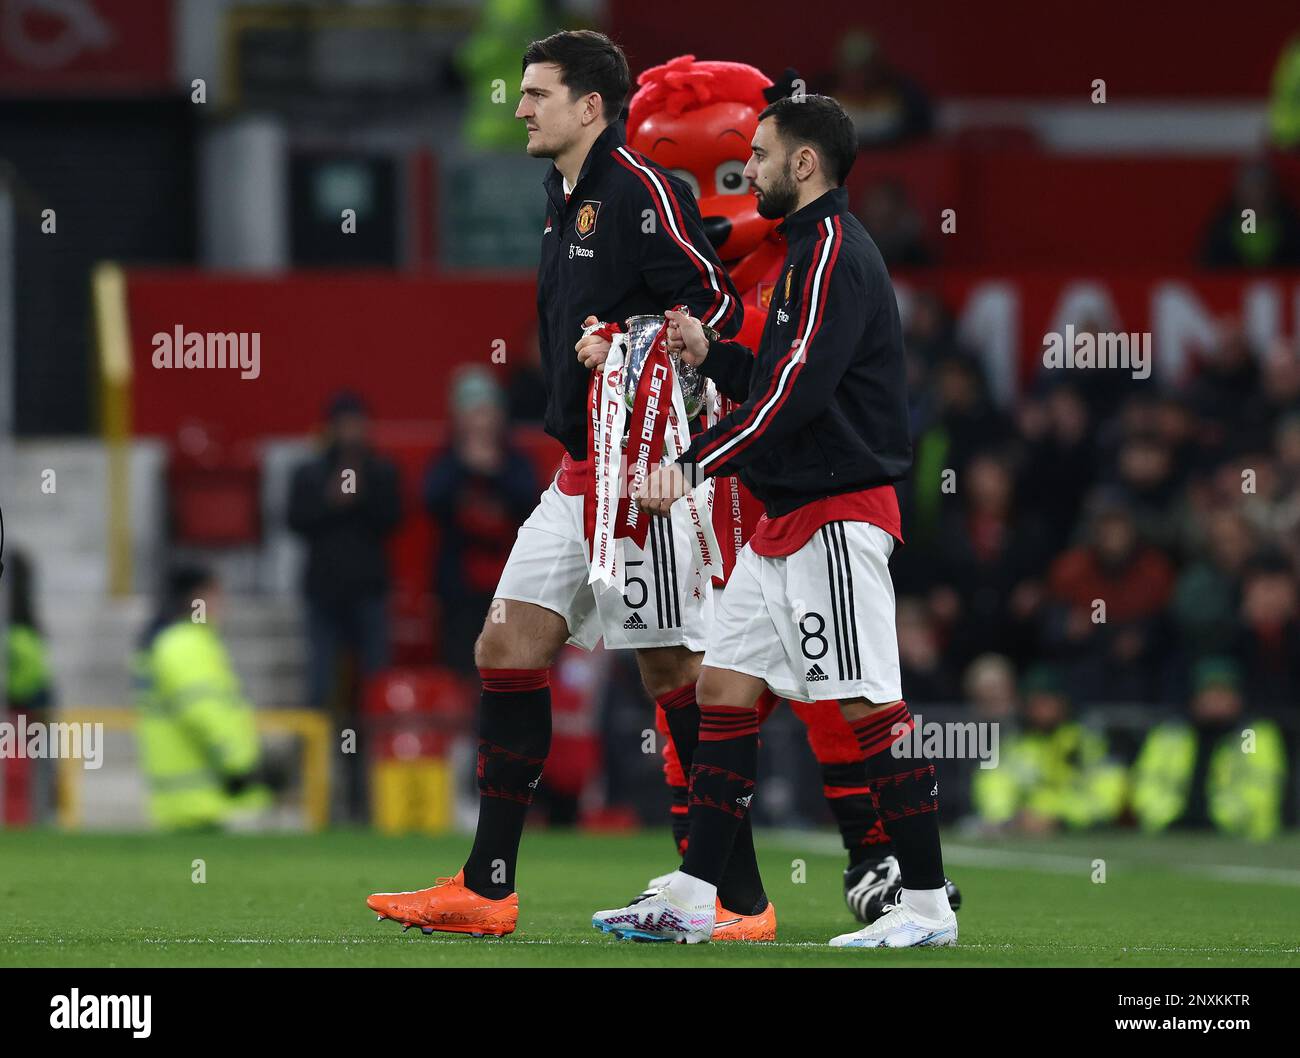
pixel 664 602
pixel 815 625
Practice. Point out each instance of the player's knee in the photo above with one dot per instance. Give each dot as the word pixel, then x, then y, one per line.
pixel 707 692
pixel 663 681
pixel 488 651
pixel 499 646
pixel 665 669
pixel 856 708
pixel 719 687
pixel 519 636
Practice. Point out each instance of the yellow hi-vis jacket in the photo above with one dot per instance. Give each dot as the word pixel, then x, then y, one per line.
pixel 1063 774
pixel 196 731
pixel 1284 108
pixel 28 668
pixel 1244 781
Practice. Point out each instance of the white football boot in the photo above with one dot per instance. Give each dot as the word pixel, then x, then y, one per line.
pixel 653 886
pixel 668 914
pixel 901 927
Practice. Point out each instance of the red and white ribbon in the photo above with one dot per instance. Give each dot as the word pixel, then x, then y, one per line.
pixel 726 492
pixel 607 413
pixel 659 434
pixel 645 435
pixel 698 502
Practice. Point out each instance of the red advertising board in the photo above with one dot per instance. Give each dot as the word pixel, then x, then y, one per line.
pixel 82 46
pixel 1005 317
pixel 1014 49
pixel 396 341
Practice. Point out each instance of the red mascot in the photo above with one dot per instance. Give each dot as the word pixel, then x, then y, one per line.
pixel 696 119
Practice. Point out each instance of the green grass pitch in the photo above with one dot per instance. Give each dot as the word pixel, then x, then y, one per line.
pixel 107 900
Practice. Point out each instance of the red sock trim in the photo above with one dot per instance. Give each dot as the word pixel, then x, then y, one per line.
pixel 507 680
pixel 875 733
pixel 720 722
pixel 832 792
pixel 677 699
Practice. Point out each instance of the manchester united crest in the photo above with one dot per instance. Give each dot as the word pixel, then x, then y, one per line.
pixel 586 222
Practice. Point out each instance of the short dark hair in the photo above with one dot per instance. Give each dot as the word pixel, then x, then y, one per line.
pixel 344 402
pixel 588 62
pixel 821 123
pixel 181 584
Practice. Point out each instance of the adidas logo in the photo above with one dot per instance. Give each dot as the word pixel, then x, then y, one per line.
pixel 744 801
pixel 815 673
pixel 935 791
pixel 635 621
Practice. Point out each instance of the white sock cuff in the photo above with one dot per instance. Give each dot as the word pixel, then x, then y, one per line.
pixel 928 903
pixel 691 890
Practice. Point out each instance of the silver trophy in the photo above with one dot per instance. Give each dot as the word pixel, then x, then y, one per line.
pixel 640 332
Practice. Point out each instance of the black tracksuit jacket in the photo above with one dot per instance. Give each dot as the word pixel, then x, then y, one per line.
pixel 627 242
pixel 825 399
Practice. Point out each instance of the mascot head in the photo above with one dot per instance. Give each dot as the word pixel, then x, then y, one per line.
pixel 696 120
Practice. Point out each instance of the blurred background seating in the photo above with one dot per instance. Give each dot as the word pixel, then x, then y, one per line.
pixel 345 181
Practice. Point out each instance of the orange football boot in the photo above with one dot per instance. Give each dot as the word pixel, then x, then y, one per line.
pixel 448 907
pixel 727 925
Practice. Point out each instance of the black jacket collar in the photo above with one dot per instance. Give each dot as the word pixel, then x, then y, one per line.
pixel 834 201
pixel 597 157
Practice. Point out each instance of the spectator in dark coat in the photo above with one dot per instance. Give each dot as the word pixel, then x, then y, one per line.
pixel 885 106
pixel 1268 239
pixel 1208 596
pixel 479 492
pixel 345 504
pixel 1224 395
pixel 1060 464
pixel 1268 645
pixel 1106 613
pixel 988 566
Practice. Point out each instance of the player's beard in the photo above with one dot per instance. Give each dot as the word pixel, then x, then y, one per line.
pixel 536 148
pixel 551 146
pixel 779 199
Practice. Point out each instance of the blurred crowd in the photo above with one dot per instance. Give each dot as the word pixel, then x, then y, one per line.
pixel 1111 528
pixel 1105 543
pixel 1108 543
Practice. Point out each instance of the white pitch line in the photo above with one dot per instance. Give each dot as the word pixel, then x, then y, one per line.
pixel 1269 875
pixel 1055 863
pixel 624 945
pixel 1046 862
pixel 1051 862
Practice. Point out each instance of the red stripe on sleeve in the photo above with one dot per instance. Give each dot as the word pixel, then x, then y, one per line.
pixel 807 345
pixel 719 294
pixel 752 418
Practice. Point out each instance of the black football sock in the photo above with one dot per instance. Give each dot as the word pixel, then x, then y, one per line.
pixel 847 788
pixel 681 818
pixel 683 718
pixel 741 888
pixel 722 786
pixel 514 739
pixel 906 794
